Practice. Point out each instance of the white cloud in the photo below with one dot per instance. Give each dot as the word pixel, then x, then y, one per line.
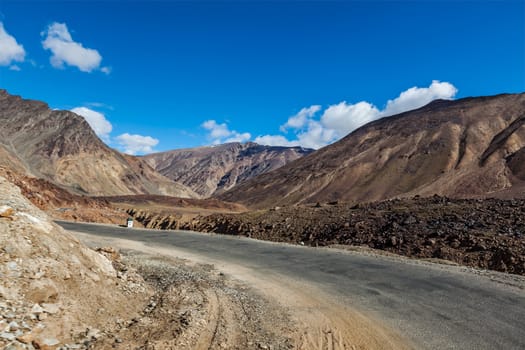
pixel 217 131
pixel 416 97
pixel 220 133
pixel 96 120
pixel 344 117
pixel 128 143
pixel 275 140
pixel 238 137
pixel 134 144
pixel 66 51
pixel 300 119
pixel 316 135
pixel 10 49
pixel 308 132
pixel 15 68
pixel 106 70
pixel 340 119
pixel 313 136
pixel 336 121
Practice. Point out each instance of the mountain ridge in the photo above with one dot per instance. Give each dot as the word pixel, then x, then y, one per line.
pixel 435 149
pixel 61 147
pixel 214 169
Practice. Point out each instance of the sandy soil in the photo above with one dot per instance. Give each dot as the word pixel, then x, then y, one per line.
pixel 308 318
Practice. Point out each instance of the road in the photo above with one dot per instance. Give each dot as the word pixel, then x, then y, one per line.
pixel 434 306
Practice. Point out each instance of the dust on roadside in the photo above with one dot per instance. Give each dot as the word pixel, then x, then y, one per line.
pixel 195 307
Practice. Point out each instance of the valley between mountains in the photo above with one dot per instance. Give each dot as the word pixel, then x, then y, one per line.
pixel 444 183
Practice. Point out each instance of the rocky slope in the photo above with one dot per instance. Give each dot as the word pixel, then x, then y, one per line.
pixel 465 148
pixel 483 233
pixel 213 170
pixel 54 290
pixel 59 146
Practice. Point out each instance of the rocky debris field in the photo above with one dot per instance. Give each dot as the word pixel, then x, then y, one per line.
pixel 481 233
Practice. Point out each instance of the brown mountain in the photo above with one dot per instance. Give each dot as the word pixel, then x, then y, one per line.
pixel 465 148
pixel 61 147
pixel 215 169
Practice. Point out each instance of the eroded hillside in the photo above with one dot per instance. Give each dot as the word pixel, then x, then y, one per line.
pixel 215 169
pixel 465 148
pixel 61 147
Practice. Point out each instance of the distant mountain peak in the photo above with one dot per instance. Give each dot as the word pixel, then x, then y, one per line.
pixel 212 170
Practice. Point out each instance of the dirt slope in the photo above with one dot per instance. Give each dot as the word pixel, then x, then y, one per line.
pixel 60 146
pixel 465 148
pixel 212 170
pixel 52 288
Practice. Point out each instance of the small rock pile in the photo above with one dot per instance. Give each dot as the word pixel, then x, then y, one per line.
pixel 21 325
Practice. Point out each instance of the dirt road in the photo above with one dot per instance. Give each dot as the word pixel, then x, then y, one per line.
pixel 405 302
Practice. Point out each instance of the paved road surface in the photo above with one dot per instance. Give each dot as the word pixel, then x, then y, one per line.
pixel 434 306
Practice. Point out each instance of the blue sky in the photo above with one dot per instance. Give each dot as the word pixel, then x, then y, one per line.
pixel 158 75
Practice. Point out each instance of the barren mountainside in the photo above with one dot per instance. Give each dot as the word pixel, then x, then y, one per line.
pixel 215 169
pixel 61 147
pixel 471 147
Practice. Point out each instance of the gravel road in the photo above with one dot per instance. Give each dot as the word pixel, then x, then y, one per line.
pixel 433 306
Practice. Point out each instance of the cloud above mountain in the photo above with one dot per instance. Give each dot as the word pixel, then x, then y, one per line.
pixel 299 120
pixel 98 122
pixel 10 50
pixel 128 143
pixel 66 51
pixel 220 133
pixel 416 97
pixel 135 144
pixel 307 129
